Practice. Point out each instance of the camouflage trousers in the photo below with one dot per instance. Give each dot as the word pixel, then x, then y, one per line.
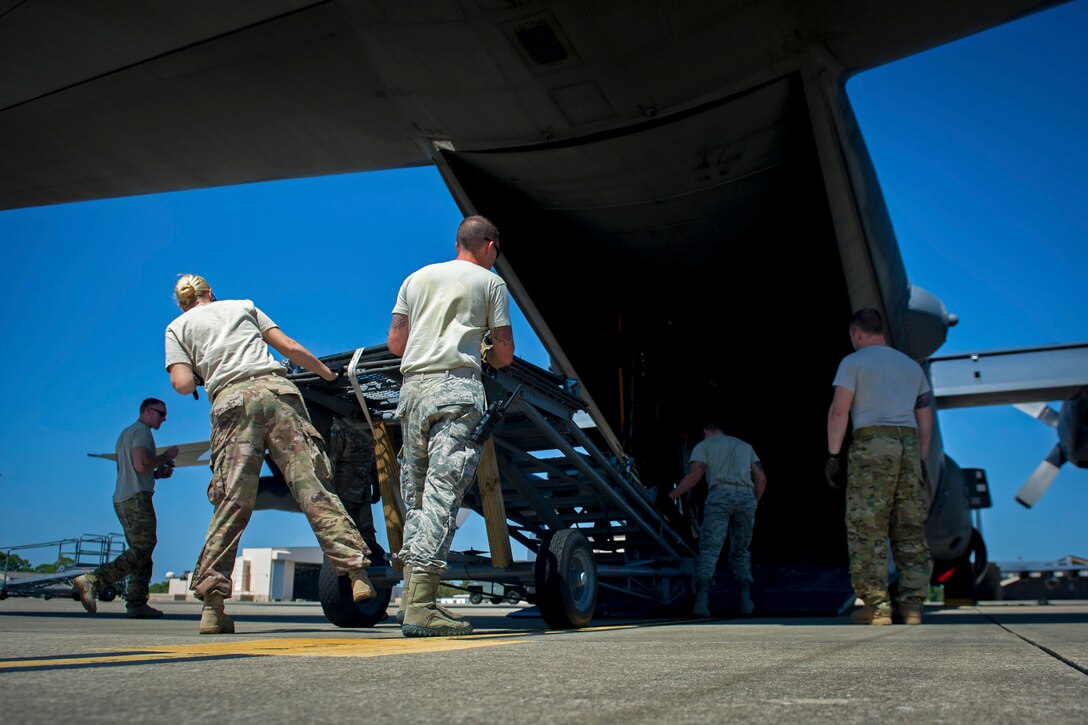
pixel 438 463
pixel 137 517
pixel 351 451
pixel 729 510
pixel 361 514
pixel 247 417
pixel 887 501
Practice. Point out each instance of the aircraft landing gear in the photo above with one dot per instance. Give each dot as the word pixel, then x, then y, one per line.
pixel 970 578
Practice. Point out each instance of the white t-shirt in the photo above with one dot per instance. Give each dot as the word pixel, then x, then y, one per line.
pixel 727 459
pixel 450 306
pixel 223 342
pixel 130 481
pixel 886 386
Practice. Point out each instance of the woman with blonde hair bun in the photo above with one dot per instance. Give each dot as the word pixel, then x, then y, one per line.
pixel 189 288
pixel 224 343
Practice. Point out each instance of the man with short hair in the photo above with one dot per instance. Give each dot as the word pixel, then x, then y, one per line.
pixel 887 397
pixel 137 468
pixel 442 313
pixel 736 482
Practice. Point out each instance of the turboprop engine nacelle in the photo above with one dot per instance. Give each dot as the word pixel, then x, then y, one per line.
pixel 927 323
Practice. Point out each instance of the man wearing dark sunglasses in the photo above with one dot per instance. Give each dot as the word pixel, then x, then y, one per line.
pixel 137 468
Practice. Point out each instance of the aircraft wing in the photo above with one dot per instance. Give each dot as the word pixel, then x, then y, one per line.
pixel 189 454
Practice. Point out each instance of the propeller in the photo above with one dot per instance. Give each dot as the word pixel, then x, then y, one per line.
pixel 1045 473
pixel 1041 478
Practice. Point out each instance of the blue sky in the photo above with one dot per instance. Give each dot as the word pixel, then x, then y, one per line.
pixel 980 146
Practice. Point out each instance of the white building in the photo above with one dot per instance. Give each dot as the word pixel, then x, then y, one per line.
pixel 267 575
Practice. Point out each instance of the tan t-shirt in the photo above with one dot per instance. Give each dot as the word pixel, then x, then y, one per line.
pixel 223 342
pixel 130 481
pixel 450 306
pixel 727 460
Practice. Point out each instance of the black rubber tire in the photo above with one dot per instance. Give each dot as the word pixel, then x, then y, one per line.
pixel 988 588
pixel 476 598
pixel 495 600
pixel 108 594
pixel 511 596
pixel 970 569
pixel 335 594
pixel 566 579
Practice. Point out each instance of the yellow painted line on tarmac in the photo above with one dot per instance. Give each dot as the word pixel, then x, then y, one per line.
pixel 63 661
pixel 296 647
pixel 330 647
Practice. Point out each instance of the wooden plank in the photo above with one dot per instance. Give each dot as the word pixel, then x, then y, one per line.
pixel 385 459
pixel 494 509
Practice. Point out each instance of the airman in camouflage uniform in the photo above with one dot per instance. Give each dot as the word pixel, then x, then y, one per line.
pixel 887 397
pixel 442 313
pixel 225 345
pixel 138 466
pixel 736 482
pixel 247 416
pixel 351 451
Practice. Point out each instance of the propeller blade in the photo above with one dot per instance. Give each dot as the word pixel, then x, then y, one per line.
pixel 1040 479
pixel 1039 411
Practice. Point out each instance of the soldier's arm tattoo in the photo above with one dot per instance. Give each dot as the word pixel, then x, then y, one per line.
pixel 923 401
pixel 502 335
pixel 398 334
pixel 501 353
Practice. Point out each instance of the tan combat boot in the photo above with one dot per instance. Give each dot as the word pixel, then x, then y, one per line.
pixel 702 599
pixel 422 617
pixel 213 620
pixel 869 615
pixel 361 588
pixel 911 613
pixel 405 601
pixel 746 606
pixel 86 588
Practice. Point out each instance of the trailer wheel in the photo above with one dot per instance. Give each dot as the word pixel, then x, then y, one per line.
pixel 566 579
pixel 108 593
pixel 476 598
pixel 335 594
pixel 3 594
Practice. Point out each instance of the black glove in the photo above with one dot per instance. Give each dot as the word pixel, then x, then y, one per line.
pixel 831 469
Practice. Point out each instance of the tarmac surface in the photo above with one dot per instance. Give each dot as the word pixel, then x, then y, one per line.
pixel 1008 662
